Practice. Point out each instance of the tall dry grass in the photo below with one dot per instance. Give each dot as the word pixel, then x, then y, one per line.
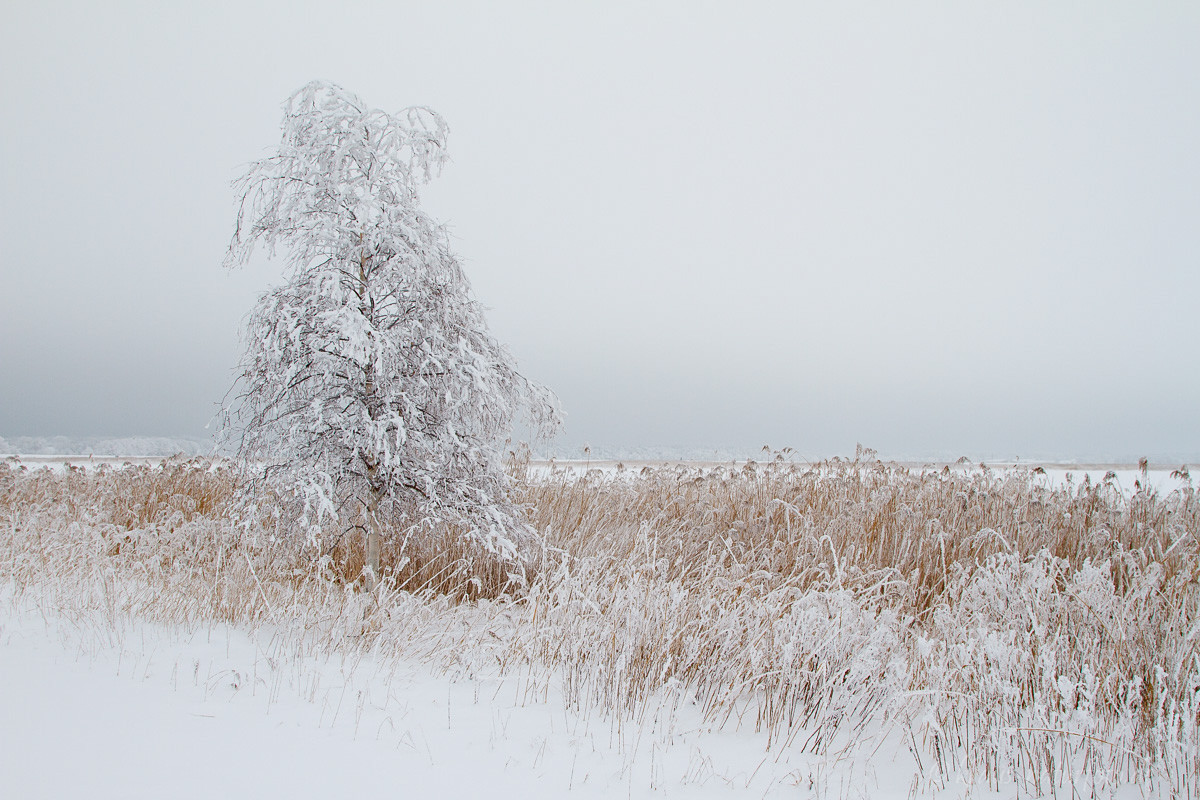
pixel 1017 628
pixel 1005 629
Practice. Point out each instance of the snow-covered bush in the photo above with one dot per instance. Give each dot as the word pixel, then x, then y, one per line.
pixel 370 389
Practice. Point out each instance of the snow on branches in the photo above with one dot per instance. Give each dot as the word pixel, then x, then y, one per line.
pixel 370 387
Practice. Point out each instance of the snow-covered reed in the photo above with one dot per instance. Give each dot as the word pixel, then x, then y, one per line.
pixel 991 626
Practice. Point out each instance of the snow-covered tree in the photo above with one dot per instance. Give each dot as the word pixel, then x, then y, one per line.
pixel 370 388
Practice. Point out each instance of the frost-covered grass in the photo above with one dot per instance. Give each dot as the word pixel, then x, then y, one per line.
pixel 992 628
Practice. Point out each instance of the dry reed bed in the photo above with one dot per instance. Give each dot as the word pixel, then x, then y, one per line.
pixel 1008 630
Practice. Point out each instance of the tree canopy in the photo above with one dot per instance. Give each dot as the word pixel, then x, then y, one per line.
pixel 370 386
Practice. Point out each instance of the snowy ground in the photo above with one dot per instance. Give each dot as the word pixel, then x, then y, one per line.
pixel 218 713
pixel 1159 476
pixel 93 709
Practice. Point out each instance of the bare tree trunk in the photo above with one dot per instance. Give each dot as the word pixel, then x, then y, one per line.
pixel 374 541
pixel 374 534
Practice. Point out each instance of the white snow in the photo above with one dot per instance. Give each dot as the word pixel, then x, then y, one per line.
pixel 153 713
pixel 156 713
pixel 97 709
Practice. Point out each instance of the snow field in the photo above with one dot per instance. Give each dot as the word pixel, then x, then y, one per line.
pixel 845 629
pixel 154 711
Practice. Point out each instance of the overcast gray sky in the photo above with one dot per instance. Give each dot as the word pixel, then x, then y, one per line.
pixel 934 228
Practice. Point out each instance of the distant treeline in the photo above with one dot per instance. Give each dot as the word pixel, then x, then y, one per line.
pixel 101 445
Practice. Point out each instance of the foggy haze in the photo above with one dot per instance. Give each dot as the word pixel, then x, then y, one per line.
pixel 937 229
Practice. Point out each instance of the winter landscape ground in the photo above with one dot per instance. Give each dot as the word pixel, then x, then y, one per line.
pixel 835 629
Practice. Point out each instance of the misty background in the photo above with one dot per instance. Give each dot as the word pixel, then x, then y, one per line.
pixel 938 229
